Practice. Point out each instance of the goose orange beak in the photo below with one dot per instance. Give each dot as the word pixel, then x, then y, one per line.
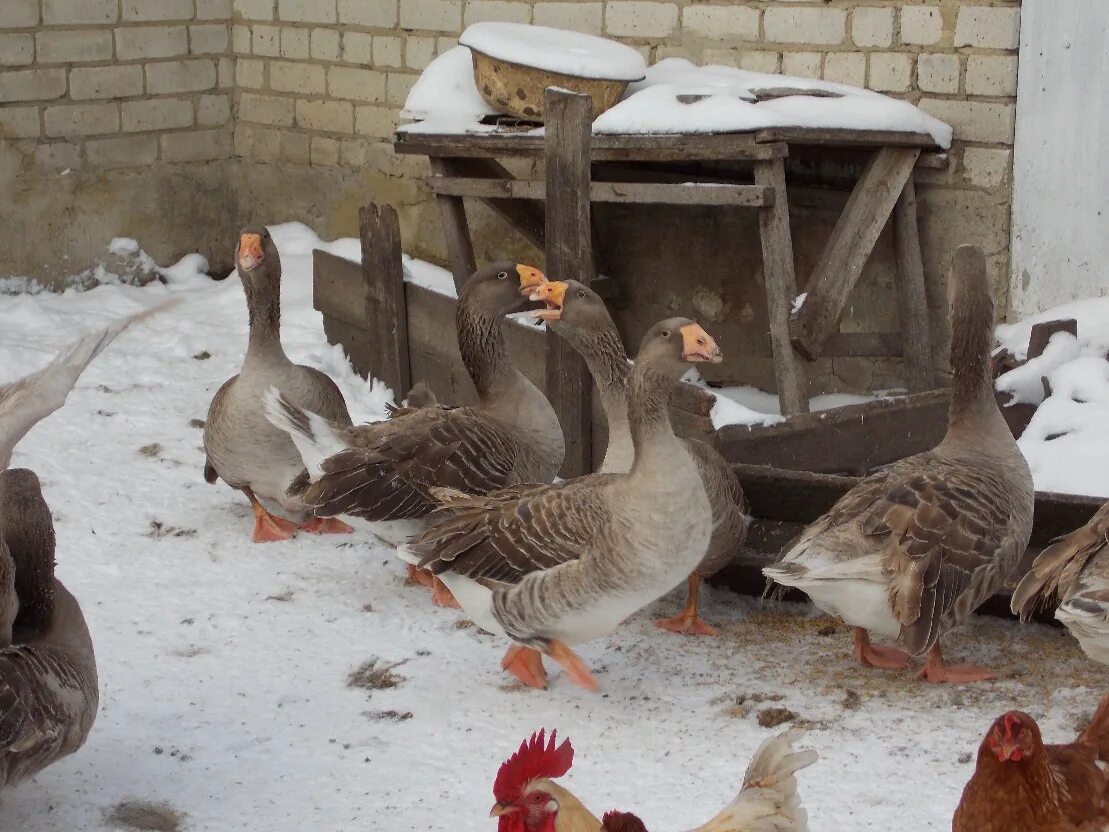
pixel 250 250
pixel 698 345
pixel 553 294
pixel 530 277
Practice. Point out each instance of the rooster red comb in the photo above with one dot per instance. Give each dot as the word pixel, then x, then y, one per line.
pixel 534 760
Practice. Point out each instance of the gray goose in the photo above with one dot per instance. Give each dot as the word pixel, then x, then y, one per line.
pixel 242 447
pixel 550 566
pixel 1074 570
pixel 383 472
pixel 48 682
pixel 915 548
pixel 578 314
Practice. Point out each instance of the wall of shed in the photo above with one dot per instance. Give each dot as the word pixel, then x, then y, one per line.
pixel 1061 178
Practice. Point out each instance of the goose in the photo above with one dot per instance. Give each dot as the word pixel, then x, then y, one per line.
pixel 550 566
pixel 382 472
pixel 242 448
pixel 48 683
pixel 579 315
pixel 1074 570
pixel 913 549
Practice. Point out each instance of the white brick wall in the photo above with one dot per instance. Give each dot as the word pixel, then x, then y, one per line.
pixel 18 14
pixel 989 27
pixel 477 11
pixel 382 13
pixel 69 12
pixel 17 50
pixel 180 76
pixel 77 46
pixel 640 18
pixel 872 26
pixel 938 73
pixel 144 10
pixel 432 15
pixel 307 11
pixel 992 75
pixel 151 42
pixel 720 22
pixel 891 71
pixel 581 17
pixel 824 27
pixel 921 25
pixel 156 114
pixel 975 121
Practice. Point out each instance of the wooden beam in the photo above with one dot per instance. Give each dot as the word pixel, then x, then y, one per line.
pixel 912 302
pixel 383 279
pixel 569 256
pixel 848 248
pixel 689 193
pixel 526 217
pixel 460 247
pixel 781 286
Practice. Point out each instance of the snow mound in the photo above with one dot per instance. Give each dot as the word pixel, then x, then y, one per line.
pixel 556 50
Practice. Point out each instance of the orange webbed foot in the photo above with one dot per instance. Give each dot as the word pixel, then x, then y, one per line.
pixel 417 576
pixel 269 529
pixel 874 655
pixel 573 665
pixel 526 665
pixel 326 525
pixel 441 596
pixel 690 625
pixel 936 672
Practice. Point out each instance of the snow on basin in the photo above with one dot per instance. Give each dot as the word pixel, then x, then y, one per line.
pixel 556 50
pixel 445 91
pixel 224 664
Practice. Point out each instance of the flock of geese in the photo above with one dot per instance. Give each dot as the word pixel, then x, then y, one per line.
pixel 468 494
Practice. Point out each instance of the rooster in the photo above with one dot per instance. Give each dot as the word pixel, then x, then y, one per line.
pixel 1020 784
pixel 528 799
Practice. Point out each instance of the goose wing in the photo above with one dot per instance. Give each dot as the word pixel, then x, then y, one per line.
pixel 510 533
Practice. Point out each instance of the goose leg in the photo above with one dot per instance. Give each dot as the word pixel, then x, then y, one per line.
pixel 526 665
pixel 326 525
pixel 687 621
pixel 267 527
pixel 572 664
pixel 416 575
pixel 936 672
pixel 441 596
pixel 873 655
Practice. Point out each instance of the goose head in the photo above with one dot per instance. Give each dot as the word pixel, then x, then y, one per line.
pixel 670 346
pixel 257 260
pixel 501 287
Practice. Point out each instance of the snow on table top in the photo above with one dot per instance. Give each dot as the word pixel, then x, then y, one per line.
pixel 1070 429
pixel 223 663
pixel 556 50
pixel 679 97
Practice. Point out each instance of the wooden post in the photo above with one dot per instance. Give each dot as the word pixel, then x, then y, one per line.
pixel 569 256
pixel 456 229
pixel 781 286
pixel 383 278
pixel 912 304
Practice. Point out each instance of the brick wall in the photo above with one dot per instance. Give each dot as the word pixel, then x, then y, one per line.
pixel 108 84
pixel 320 82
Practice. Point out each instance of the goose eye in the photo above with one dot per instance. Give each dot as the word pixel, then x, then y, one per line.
pixel 666 333
pixel 502 275
pixel 581 293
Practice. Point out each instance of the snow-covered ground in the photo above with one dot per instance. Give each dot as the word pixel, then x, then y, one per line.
pixel 224 664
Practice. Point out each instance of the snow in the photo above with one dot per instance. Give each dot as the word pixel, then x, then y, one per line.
pixel 1070 429
pixel 224 664
pixel 123 245
pixel 555 50
pixel 677 96
pixel 799 301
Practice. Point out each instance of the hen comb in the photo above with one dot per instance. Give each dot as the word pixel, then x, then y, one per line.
pixel 535 759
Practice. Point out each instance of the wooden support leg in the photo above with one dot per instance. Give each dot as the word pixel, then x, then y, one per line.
pixel 569 256
pixel 460 248
pixel 383 281
pixel 848 248
pixel 912 304
pixel 781 286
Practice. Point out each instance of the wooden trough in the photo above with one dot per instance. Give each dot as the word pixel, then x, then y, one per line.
pixel 792 472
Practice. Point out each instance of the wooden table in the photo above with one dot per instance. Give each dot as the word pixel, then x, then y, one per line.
pixel 554 215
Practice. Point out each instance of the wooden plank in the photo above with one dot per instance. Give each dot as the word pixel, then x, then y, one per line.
pixel 849 246
pixel 912 303
pixel 456 230
pixel 853 439
pixel 845 137
pixel 781 286
pixel 526 217
pixel 569 256
pixel 383 281
pixel 337 289
pixel 689 193
pixel 604 148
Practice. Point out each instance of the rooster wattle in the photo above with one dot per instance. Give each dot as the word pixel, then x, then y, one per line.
pixel 528 799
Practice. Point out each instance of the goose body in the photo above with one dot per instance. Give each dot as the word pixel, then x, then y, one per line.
pixel 384 472
pixel 913 549
pixel 1074 571
pixel 242 447
pixel 555 565
pixel 579 315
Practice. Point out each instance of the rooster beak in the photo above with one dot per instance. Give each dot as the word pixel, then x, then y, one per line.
pixel 530 278
pixel 698 345
pixel 553 294
pixel 499 810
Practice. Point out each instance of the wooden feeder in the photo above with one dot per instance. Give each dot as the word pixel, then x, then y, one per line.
pixel 517 90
